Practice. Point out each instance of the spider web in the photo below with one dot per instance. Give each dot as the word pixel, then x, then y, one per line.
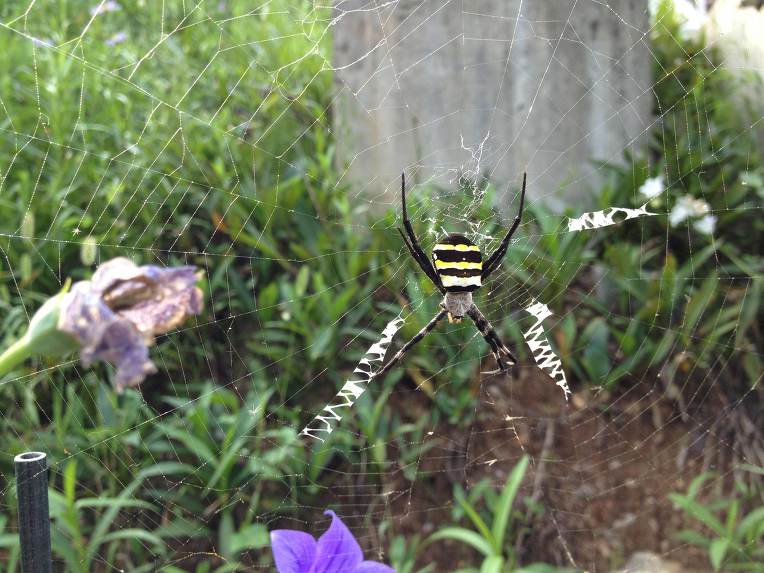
pixel 204 133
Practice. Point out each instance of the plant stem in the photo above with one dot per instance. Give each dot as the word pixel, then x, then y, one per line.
pixel 14 354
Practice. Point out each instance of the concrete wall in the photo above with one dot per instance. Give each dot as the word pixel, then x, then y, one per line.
pixel 448 87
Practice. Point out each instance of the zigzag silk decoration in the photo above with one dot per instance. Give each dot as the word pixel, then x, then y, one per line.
pixel 325 422
pixel 597 219
pixel 542 351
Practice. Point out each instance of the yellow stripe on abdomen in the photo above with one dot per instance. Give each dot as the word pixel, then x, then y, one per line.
pixel 461 265
pixel 445 247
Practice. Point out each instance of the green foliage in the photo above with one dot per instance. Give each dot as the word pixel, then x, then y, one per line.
pixel 299 282
pixel 403 554
pixel 655 296
pixel 228 460
pixel 700 294
pixel 732 535
pixel 492 538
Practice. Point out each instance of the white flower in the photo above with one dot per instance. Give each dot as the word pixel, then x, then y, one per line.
pixel 693 15
pixel 686 207
pixel 706 224
pixel 652 187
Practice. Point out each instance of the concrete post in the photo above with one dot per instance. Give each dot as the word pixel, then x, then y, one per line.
pixel 443 88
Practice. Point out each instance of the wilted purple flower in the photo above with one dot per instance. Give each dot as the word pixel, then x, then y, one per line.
pixel 112 317
pixel 115 315
pixel 336 551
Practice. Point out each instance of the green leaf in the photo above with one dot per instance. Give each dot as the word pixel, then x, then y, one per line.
pixel 732 517
pixel 748 567
pixel 182 527
pixel 492 564
pixel 194 444
pixel 697 483
pixel 321 342
pixel 254 536
pixel 596 357
pixel 717 551
pixel 700 300
pixel 135 533
pixel 70 481
pixel 698 511
pixel 123 499
pixel 693 537
pixel 543 568
pixel 301 283
pixel 749 311
pixel 479 524
pixel 225 536
pixel 466 536
pixel 508 494
pixel 229 568
pixel 751 468
pixel 752 522
pixel 112 502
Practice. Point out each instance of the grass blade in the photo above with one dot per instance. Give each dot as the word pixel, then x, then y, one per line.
pixel 508 494
pixel 466 536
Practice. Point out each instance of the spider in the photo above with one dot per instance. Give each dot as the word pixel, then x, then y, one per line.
pixel 458 271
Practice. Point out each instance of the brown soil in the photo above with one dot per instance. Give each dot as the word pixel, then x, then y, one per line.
pixel 602 466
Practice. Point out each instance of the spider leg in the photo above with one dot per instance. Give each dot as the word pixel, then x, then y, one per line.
pixel 406 347
pixel 506 360
pixel 425 266
pixel 495 259
pixel 413 245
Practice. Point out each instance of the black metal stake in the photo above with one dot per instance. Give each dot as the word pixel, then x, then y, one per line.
pixel 34 519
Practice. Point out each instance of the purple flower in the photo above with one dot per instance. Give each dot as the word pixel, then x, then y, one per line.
pixel 336 551
pixel 113 317
pixel 117 38
pixel 104 7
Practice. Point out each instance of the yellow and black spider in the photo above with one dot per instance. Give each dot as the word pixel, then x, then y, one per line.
pixel 459 270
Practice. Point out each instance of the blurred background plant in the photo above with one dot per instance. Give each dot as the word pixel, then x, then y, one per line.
pixel 193 470
pixel 496 525
pixel 733 527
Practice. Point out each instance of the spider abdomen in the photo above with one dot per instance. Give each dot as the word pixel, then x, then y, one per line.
pixel 459 263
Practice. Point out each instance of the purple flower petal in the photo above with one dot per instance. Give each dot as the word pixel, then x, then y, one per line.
pixel 155 299
pixel 104 7
pixel 174 298
pixel 337 551
pixel 103 335
pixel 120 278
pixel 122 345
pixel 116 315
pixel 293 551
pixel 117 38
pixel 373 567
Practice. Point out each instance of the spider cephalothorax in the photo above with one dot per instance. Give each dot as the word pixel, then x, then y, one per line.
pixel 458 271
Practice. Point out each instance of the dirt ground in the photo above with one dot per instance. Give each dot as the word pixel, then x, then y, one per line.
pixel 602 467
